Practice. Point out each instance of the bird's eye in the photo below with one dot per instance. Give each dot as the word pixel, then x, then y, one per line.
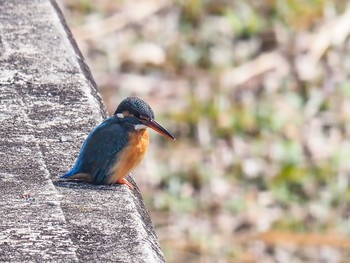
pixel 137 115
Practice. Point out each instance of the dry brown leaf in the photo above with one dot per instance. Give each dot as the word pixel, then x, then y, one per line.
pixel 130 13
pixel 305 239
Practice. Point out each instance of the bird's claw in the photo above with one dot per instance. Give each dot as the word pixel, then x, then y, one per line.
pixel 124 181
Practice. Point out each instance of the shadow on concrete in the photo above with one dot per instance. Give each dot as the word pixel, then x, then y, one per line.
pixel 79 184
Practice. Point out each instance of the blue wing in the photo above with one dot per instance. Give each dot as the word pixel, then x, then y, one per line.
pixel 98 153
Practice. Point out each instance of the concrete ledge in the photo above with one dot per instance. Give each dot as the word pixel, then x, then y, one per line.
pixel 48 104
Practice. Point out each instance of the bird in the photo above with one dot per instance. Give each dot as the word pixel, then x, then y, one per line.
pixel 116 146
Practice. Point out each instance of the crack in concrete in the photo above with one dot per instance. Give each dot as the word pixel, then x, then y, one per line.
pixel 50 192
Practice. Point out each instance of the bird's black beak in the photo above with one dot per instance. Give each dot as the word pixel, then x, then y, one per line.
pixel 158 128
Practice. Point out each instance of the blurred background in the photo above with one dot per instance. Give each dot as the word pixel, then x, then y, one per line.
pixel 257 94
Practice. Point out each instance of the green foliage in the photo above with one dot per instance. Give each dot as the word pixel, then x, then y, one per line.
pixel 245 20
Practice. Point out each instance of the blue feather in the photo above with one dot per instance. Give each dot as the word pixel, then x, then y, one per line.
pixel 99 150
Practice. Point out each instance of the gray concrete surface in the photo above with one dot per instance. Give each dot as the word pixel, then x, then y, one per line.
pixel 48 104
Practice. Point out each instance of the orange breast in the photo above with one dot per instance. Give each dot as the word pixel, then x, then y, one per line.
pixel 131 156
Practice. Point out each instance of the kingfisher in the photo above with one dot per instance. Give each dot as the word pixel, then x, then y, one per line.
pixel 116 146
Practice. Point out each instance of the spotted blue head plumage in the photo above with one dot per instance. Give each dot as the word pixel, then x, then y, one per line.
pixel 136 107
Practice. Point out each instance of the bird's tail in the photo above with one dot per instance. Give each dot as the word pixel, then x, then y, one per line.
pixel 79 176
pixel 68 174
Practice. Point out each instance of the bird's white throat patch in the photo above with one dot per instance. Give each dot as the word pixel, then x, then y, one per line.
pixel 140 127
pixel 120 115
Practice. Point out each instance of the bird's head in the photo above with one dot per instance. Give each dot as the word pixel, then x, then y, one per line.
pixel 142 114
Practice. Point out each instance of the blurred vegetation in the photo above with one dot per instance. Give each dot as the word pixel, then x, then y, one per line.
pixel 258 96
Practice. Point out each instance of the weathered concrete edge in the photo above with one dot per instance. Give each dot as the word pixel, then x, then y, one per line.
pixel 81 61
pixel 139 203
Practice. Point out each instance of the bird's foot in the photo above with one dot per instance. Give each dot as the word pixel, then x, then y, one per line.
pixel 124 181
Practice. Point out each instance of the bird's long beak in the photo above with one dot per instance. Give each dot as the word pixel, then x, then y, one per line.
pixel 159 128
